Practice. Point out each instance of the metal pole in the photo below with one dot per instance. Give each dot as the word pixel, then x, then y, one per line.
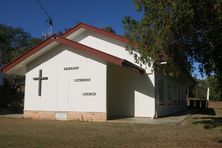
pixel 208 94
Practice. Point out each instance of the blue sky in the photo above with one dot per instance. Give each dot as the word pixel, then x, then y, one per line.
pixel 66 13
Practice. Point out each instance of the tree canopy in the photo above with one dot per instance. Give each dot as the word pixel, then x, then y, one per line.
pixel 109 29
pixel 200 89
pixel 14 41
pixel 179 32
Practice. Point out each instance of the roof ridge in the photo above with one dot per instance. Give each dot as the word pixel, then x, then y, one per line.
pixel 97 30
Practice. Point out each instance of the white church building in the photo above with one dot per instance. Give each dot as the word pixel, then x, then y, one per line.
pixel 87 74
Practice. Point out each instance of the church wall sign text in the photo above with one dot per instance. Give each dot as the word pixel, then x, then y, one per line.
pixel 89 94
pixel 71 68
pixel 81 80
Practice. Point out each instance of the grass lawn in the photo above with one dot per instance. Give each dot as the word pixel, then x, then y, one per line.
pixel 199 130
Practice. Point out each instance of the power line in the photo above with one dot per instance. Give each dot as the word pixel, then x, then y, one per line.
pixel 49 20
pixel 43 8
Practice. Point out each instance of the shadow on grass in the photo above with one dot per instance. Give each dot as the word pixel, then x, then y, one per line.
pixel 205 111
pixel 219 140
pixel 209 122
pixel 188 111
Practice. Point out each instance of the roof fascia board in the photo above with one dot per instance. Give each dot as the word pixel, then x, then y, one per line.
pixel 26 54
pixel 96 30
pixel 89 50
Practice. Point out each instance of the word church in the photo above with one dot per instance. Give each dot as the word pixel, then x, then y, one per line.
pixel 87 74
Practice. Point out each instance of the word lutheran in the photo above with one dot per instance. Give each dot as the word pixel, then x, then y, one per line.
pixel 40 78
pixel 82 79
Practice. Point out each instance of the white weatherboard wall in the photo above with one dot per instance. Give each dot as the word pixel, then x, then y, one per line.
pixel 60 92
pixel 144 101
pixel 174 95
pixel 108 45
pixel 129 93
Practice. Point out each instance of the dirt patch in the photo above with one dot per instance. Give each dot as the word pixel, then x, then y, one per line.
pixel 215 104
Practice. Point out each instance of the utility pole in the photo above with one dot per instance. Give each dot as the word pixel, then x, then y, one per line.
pixel 208 95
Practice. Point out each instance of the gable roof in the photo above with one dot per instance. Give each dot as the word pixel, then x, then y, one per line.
pixel 72 44
pixel 96 30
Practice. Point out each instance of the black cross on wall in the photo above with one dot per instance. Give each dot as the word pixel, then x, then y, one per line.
pixel 40 78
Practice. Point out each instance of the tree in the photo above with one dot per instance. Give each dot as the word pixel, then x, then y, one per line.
pixel 215 88
pixel 109 29
pixel 14 41
pixel 200 89
pixel 11 96
pixel 178 32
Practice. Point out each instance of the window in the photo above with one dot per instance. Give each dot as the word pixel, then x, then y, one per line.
pixel 169 94
pixel 179 95
pixel 174 95
pixel 185 96
pixel 161 95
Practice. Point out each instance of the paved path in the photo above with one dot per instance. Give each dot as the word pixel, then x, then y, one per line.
pixel 174 119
